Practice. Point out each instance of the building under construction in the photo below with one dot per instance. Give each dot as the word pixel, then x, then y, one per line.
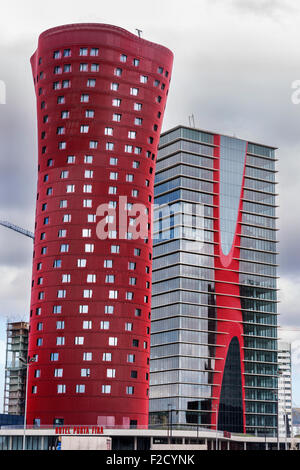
pixel 15 369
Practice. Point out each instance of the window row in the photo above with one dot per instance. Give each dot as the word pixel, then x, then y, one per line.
pixel 79 340
pixel 80 388
pixel 88 294
pixel 110 373
pixel 84 309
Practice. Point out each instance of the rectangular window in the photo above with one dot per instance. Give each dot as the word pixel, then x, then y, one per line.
pixel 104 325
pixel 81 263
pixel 87 293
pixel 109 146
pixel 108 263
pixel 88 173
pixel 108 131
pixel 89 113
pixel 117 117
pixel 106 357
pixel 89 247
pixel 113 175
pixel 87 356
pixel 91 278
pixel 112 190
pixel 60 325
pixel 128 148
pixel 113 161
pixel 88 159
pixel 83 308
pixel 86 325
pixel 131 134
pixel 94 51
pixel 64 174
pixel 87 203
pixel 94 67
pixel 111 373
pixel 67 218
pixel 93 144
pixel 80 388
pixel 87 188
pixel 113 294
pixel 106 389
pixel 91 218
pixel 60 340
pixel 112 341
pixel 58 372
pixel 114 86
pixel 83 51
pixel 86 232
pixel 91 83
pixel 109 309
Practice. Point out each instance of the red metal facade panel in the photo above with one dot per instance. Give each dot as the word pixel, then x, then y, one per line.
pixel 228 293
pixel 74 69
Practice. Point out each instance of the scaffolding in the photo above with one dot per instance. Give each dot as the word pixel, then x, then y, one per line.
pixel 15 369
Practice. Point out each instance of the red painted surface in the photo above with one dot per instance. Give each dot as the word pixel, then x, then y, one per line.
pixel 92 407
pixel 227 291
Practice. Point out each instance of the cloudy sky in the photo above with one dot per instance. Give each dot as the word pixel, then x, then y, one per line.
pixel 236 63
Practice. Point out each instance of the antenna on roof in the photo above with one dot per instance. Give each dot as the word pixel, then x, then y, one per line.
pixel 139 32
pixel 192 121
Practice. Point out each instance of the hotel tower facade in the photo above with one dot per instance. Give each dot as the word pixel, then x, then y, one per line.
pixel 101 93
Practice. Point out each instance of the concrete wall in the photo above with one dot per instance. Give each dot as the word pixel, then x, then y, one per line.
pixel 85 443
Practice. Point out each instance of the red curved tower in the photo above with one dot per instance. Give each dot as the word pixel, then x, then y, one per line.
pixel 101 93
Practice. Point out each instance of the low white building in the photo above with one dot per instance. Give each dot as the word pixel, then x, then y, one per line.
pixel 284 389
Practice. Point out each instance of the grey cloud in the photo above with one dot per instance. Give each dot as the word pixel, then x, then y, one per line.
pixel 270 8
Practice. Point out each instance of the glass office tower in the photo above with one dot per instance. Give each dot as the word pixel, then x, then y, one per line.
pixel 214 296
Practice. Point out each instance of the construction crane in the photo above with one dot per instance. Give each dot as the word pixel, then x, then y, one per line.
pixel 16 228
